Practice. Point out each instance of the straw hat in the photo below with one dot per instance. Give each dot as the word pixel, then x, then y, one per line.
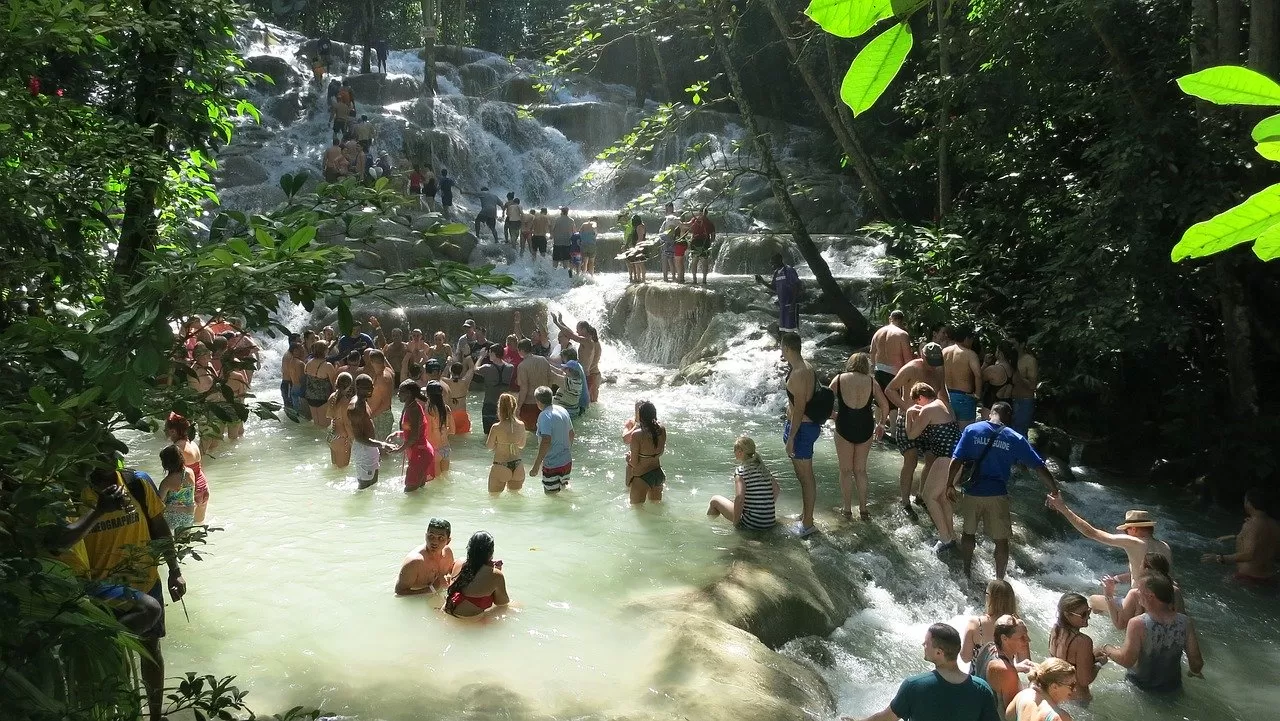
pixel 1136 519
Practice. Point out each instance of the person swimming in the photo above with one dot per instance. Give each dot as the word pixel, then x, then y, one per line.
pixel 756 491
pixel 478 583
pixel 647 439
pixel 506 439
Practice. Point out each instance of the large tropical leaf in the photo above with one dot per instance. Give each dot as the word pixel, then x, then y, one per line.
pixel 1267 246
pixel 1231 85
pixel 1245 222
pixel 1267 129
pixel 875 67
pixel 851 18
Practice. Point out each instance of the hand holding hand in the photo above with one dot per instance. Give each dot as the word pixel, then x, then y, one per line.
pixel 1054 501
pixel 1210 558
pixel 1108 586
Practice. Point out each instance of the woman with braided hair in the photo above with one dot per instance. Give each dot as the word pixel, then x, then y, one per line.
pixel 478 583
pixel 419 451
pixel 647 439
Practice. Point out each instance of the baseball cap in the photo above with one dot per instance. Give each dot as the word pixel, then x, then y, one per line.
pixel 469 324
pixel 933 354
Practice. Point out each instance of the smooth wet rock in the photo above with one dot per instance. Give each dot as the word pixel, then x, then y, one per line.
pixel 237 170
pixel 664 321
pixel 278 69
pixel 379 89
pixel 596 125
pixel 750 254
pixel 521 90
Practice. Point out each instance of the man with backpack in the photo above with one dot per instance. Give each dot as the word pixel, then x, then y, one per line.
pixel 119 558
pixel 993 448
pixel 809 405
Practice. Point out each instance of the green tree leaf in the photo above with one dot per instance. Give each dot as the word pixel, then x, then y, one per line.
pixel 1231 85
pixel 1246 221
pixel 1267 246
pixel 1269 149
pixel 875 67
pixel 1267 129
pixel 851 18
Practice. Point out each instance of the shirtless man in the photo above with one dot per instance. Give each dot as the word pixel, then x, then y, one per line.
pixel 203 381
pixel 964 377
pixel 801 430
pixel 588 351
pixel 932 428
pixel 533 371
pixel 366 448
pixel 384 387
pixel 291 369
pixel 415 351
pixel 238 381
pixel 427 567
pixel 1257 544
pixel 891 349
pixel 920 370
pixel 396 350
pixel 1024 389
pixel 335 165
pixel 1136 539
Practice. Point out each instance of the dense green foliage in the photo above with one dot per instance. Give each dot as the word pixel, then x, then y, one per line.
pixel 109 116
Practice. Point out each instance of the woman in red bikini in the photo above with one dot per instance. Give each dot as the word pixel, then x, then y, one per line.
pixel 478 583
pixel 177 429
pixel 418 449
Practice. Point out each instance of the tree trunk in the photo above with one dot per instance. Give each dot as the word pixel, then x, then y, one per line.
pixel 859 329
pixel 1129 77
pixel 429 32
pixel 153 93
pixel 368 14
pixel 1204 33
pixel 664 88
pixel 1264 37
pixel 831 113
pixel 944 109
pixel 642 74
pixel 1230 31
pixel 1237 340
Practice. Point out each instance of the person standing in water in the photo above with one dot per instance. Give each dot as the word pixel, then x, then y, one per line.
pixel 635 239
pixel 384 383
pixel 1155 642
pixel 1053 683
pixel 366 448
pixel 426 569
pixel 891 348
pixel 562 230
pixel 996 662
pixel 555 438
pixel 382 49
pixel 478 584
pixel 919 370
pixel 587 239
pixel 318 383
pixel 785 284
pixel 177 490
pixel 534 371
pixel 702 236
pixel 856 425
pixel 419 451
pixel 805 415
pixel 1025 383
pixel 589 348
pixel 396 350
pixel 512 215
pixel 755 491
pixel 963 373
pixel 178 430
pixel 646 440
pixel 1256 544
pixel 439 423
pixel 488 215
pixel 506 438
pixel 980 630
pixel 1068 642
pixel 459 385
pixel 993 448
pixel 336 409
pixel 292 370
pixel 933 429
pixel 572 394
pixel 446 191
pixel 497 376
pixel 943 694
pixel 1136 539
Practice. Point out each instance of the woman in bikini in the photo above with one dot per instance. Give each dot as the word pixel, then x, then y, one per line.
pixel 336 410
pixel 318 386
pixel 506 440
pixel 439 423
pixel 177 490
pixel 1052 683
pixel 178 430
pixel 856 425
pixel 647 439
pixel 478 584
pixel 1068 642
pixel 981 629
pixel 418 449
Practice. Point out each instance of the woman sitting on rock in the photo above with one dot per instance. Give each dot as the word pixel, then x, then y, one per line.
pixel 478 584
pixel 755 491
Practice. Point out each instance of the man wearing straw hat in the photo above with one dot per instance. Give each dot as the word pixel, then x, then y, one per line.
pixel 1136 537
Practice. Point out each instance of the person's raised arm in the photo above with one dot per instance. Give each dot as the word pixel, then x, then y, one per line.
pixel 61 538
pixel 1088 531
pixel 1195 660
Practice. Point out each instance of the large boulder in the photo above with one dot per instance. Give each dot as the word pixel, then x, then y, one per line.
pixel 664 322
pixel 278 69
pixel 521 90
pixel 237 170
pixel 378 89
pixel 595 125
pixel 750 254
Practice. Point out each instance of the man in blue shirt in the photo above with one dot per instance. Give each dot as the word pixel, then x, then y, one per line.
pixel 785 283
pixel 358 340
pixel 994 447
pixel 944 694
pixel 555 433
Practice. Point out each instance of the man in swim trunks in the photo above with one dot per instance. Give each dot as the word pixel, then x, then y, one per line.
pixel 555 436
pixel 426 569
pixel 384 387
pixel 1257 544
pixel 533 371
pixel 1025 382
pixel 540 228
pixel 890 350
pixel 801 430
pixel 703 236
pixel 291 370
pixel 1136 539
pixel 963 372
pixel 919 370
pixel 366 449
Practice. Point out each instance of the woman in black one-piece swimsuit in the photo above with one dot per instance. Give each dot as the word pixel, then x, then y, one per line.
pixel 855 427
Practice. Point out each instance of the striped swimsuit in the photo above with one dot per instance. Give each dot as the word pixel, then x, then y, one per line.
pixel 757 505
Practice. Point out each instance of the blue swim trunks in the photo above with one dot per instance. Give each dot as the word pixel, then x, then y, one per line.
pixel 805 438
pixel 964 405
